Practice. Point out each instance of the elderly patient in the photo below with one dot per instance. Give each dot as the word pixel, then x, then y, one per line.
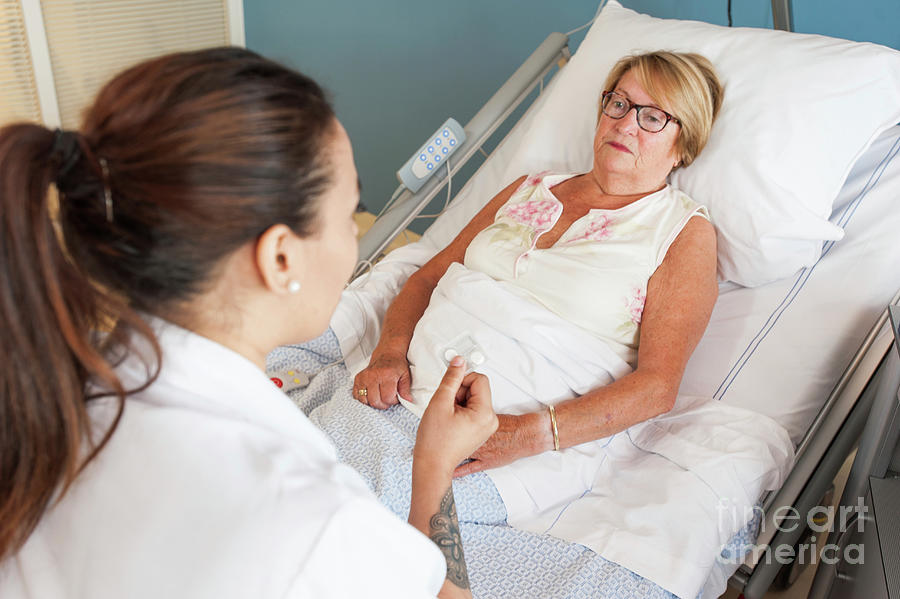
pixel 616 251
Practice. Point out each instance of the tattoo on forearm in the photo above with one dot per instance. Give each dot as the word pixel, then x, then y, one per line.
pixel 444 531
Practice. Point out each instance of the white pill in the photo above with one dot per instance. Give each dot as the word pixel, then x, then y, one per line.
pixel 477 358
pixel 450 354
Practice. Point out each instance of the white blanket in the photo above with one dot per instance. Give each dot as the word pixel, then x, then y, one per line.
pixel 660 498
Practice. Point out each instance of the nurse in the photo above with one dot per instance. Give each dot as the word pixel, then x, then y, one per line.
pixel 204 216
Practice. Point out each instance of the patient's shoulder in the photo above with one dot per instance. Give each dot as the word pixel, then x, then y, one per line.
pixel 698 229
pixel 694 249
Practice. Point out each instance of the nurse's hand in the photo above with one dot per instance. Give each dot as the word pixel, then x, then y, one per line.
pixel 458 419
pixel 516 437
pixel 380 382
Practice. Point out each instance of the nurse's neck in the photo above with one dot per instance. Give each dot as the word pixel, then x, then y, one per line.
pixel 226 327
pixel 239 310
pixel 235 311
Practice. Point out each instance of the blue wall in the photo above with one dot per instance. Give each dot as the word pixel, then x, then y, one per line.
pixel 396 69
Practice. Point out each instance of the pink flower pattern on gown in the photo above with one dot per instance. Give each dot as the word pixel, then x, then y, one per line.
pixel 598 230
pixel 533 180
pixel 636 304
pixel 537 214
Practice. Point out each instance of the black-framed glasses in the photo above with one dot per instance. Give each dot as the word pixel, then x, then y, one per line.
pixel 649 118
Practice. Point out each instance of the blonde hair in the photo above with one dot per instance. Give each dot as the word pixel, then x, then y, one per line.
pixel 686 84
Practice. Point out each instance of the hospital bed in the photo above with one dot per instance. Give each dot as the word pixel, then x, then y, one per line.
pixel 809 349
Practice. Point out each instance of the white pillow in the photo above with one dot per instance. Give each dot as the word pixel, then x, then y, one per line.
pixel 798 111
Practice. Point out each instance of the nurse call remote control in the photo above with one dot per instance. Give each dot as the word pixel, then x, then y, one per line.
pixel 432 155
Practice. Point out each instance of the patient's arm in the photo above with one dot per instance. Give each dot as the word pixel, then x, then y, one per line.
pixel 680 298
pixel 388 370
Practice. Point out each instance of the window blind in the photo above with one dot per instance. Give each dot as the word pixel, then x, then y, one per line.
pixel 56 54
pixel 91 40
pixel 18 89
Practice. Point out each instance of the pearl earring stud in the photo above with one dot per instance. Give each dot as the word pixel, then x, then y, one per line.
pixel 293 286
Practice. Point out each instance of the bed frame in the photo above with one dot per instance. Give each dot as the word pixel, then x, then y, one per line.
pixel 872 375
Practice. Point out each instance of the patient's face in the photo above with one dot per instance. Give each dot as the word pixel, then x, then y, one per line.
pixel 630 159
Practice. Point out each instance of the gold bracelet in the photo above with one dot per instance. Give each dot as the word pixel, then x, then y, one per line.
pixel 554 427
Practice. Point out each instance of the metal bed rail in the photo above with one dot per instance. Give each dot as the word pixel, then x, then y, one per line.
pixel 783 15
pixel 511 94
pixel 873 462
pixel 879 335
pixel 829 440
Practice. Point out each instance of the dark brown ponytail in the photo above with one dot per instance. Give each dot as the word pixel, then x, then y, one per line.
pixel 180 161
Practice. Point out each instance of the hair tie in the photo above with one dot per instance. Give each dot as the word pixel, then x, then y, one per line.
pixel 65 153
pixel 107 193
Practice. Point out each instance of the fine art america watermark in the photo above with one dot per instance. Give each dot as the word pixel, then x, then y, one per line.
pixel 827 519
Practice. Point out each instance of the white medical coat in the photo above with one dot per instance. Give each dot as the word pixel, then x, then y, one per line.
pixel 215 485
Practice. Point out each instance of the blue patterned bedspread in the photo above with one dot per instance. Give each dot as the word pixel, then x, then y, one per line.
pixel 502 561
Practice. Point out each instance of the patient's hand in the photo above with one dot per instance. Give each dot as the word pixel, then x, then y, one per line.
pixel 516 437
pixel 384 377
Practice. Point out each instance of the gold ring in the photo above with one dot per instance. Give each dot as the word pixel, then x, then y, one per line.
pixel 363 392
